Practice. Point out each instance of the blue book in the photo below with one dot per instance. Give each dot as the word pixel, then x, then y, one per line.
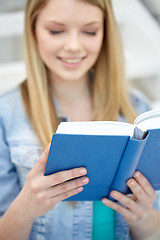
pixel 110 151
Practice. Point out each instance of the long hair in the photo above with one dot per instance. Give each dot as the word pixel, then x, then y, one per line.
pixel 108 87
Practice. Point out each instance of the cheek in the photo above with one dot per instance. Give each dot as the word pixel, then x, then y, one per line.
pixel 94 45
pixel 94 48
pixel 43 46
pixel 98 44
pixel 47 46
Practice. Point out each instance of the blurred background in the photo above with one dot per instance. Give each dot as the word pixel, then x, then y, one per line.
pixel 139 22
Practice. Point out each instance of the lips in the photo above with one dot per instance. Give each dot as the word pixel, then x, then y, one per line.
pixel 71 60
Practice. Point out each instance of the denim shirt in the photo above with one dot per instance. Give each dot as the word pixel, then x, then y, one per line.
pixel 19 151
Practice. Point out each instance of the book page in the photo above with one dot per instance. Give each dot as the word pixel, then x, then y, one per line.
pixel 138 133
pixel 96 128
pixel 148 120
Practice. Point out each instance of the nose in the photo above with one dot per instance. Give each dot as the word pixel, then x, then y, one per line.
pixel 72 43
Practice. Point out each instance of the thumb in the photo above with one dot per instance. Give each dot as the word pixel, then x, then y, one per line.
pixel 41 163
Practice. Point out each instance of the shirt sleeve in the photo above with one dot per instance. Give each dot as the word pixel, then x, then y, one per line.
pixel 9 185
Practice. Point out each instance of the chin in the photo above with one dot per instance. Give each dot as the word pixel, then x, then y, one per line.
pixel 73 77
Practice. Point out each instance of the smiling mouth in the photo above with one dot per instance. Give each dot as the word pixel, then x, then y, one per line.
pixel 71 60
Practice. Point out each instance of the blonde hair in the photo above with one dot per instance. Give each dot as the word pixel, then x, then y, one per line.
pixel 108 86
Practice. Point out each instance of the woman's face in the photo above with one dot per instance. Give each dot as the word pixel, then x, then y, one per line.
pixel 69 35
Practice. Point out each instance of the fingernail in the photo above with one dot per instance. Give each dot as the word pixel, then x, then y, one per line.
pixel 131 182
pixel 80 189
pixel 114 194
pixel 85 180
pixel 82 171
pixel 105 200
pixel 137 174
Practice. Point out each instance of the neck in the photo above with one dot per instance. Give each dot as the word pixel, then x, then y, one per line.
pixel 70 91
pixel 74 98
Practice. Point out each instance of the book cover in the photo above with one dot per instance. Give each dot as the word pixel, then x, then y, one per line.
pixel 110 160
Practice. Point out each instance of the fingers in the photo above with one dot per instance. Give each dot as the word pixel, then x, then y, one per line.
pixel 43 183
pixel 137 190
pixel 63 176
pixel 66 187
pixel 131 217
pixel 132 205
pixel 144 183
pixel 136 206
pixel 41 163
pixel 64 191
pixel 70 185
pixel 142 190
pixel 63 196
pixel 131 211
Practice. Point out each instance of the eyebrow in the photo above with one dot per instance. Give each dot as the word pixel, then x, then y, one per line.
pixel 56 22
pixel 59 23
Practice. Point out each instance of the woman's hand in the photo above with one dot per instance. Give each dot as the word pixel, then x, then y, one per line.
pixel 137 208
pixel 139 204
pixel 40 193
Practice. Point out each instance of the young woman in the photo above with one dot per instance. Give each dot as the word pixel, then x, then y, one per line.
pixel 75 72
